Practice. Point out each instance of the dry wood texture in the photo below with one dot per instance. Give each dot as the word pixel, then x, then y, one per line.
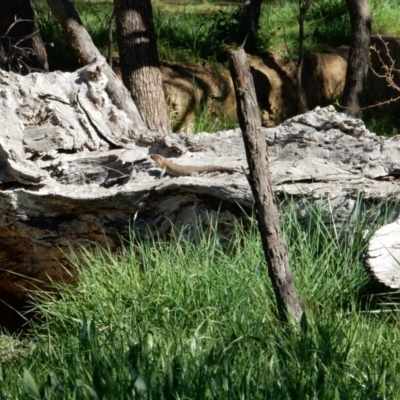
pixel 383 257
pixel 87 52
pixel 74 171
pixel 275 249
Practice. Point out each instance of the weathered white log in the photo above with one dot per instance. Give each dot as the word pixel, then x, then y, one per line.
pixel 383 257
pixel 75 171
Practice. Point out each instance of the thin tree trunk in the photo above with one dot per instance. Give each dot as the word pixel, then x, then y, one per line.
pixel 251 10
pixel 22 46
pixel 110 39
pixel 303 8
pixel 275 249
pixel 358 64
pixel 139 61
pixel 83 45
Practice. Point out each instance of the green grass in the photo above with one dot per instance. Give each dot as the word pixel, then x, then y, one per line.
pixel 197 32
pixel 198 321
pixel 383 124
pixel 385 17
pixel 206 121
pixel 95 17
pixel 207 30
pixel 184 37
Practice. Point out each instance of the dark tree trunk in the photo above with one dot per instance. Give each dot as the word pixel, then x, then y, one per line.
pixel 111 23
pixel 139 61
pixel 251 20
pixel 84 47
pixel 275 249
pixel 303 8
pixel 358 64
pixel 22 50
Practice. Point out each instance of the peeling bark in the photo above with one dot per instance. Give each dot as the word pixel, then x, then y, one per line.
pixel 87 52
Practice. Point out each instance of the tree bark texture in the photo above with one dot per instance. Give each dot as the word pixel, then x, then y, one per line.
pixel 139 61
pixel 358 62
pixel 275 248
pixel 84 47
pixel 22 49
pixel 303 8
pixel 251 19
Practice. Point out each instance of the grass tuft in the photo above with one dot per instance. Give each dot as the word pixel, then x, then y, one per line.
pixel 189 320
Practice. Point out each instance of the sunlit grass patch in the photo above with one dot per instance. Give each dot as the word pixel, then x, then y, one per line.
pixel 198 320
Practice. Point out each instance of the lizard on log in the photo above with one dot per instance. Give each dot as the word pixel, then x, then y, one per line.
pixel 174 169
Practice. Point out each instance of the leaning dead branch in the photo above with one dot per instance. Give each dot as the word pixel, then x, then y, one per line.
pixel 389 70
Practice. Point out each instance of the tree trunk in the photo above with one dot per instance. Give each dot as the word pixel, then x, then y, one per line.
pixel 358 64
pixel 275 248
pixel 139 61
pixel 111 23
pixel 303 106
pixel 23 48
pixel 251 19
pixel 83 45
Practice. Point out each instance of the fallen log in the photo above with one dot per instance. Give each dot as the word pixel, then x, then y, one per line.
pixel 383 257
pixel 75 171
